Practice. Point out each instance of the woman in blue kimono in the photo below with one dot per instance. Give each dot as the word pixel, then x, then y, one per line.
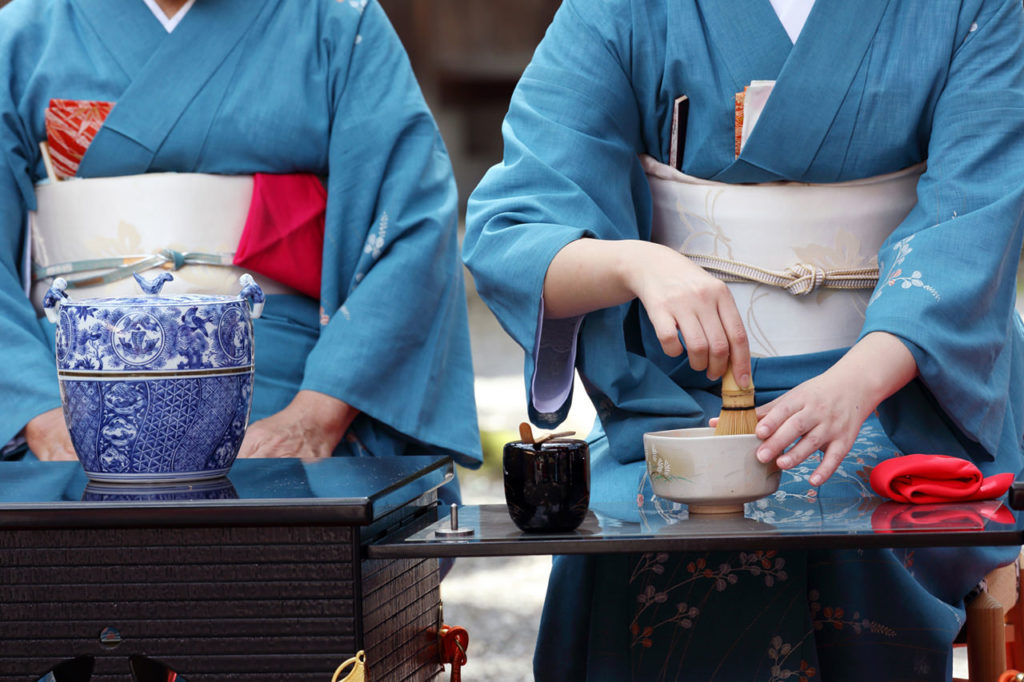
pixel 567 244
pixel 378 363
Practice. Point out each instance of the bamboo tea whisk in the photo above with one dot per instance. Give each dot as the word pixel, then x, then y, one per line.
pixel 738 415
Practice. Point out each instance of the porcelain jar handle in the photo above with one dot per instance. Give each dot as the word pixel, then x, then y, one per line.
pixel 54 299
pixel 252 292
pixel 152 287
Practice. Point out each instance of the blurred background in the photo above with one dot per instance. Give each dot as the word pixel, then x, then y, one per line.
pixel 468 56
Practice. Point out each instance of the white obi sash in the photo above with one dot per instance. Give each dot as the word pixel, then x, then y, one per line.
pixel 93 231
pixel 800 259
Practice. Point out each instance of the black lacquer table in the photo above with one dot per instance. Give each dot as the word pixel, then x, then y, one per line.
pixel 259 577
pixel 287 568
pixel 771 523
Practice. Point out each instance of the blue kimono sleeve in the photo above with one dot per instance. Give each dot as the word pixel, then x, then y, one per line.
pixel 28 380
pixel 395 344
pixel 570 171
pixel 948 272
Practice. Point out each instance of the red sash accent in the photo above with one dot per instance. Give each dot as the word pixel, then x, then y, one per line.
pixel 283 236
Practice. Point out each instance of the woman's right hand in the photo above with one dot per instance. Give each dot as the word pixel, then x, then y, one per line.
pixel 681 298
pixel 309 427
pixel 48 437
pixel 678 295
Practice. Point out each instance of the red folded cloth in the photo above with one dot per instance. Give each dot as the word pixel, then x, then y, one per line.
pixel 71 126
pixel 893 517
pixel 283 236
pixel 922 479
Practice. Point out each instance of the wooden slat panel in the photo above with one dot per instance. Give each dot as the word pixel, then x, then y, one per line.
pixel 33 629
pixel 198 668
pixel 253 608
pixel 394 570
pixel 93 538
pixel 422 664
pixel 158 592
pixel 268 572
pixel 184 646
pixel 215 604
pixel 410 640
pixel 197 555
pixel 248 604
pixel 372 617
pixel 412 620
pixel 212 669
pixel 400 612
pixel 277 676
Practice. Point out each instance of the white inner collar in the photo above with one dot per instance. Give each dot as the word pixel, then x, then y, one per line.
pixel 170 23
pixel 793 15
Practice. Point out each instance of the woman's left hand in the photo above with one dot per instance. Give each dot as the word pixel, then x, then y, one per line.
pixel 825 413
pixel 310 427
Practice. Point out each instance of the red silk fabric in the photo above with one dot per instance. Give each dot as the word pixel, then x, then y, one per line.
pixel 283 236
pixel 71 126
pixel 925 479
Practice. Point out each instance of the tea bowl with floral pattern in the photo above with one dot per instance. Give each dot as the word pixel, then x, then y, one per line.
pixel 155 389
pixel 710 474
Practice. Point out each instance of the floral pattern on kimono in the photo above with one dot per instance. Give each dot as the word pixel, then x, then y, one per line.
pixel 895 274
pixel 673 591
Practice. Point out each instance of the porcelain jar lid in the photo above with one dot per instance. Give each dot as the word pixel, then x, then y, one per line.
pixel 186 334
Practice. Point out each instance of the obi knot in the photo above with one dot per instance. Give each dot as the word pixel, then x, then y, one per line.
pixel 803 278
pixel 175 259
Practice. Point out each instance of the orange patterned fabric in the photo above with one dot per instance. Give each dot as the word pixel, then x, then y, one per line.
pixel 738 128
pixel 71 126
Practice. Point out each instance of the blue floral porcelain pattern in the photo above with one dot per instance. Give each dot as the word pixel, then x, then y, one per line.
pixel 216 489
pixel 182 333
pixel 156 388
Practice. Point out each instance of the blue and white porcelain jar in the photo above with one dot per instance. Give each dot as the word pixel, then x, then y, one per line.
pixel 155 389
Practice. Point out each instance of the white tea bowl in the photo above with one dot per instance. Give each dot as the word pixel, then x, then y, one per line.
pixel 712 474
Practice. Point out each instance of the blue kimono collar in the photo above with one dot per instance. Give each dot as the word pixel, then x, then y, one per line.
pixel 164 81
pixel 817 72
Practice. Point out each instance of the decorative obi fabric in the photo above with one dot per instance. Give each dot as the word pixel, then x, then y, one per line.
pixel 71 126
pixel 94 232
pixel 800 259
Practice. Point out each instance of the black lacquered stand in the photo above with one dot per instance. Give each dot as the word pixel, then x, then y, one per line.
pixel 660 526
pixel 288 568
pixel 264 579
